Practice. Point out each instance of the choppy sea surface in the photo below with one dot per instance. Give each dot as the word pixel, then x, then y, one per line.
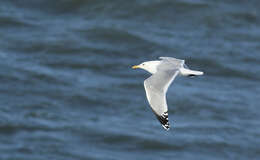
pixel 68 92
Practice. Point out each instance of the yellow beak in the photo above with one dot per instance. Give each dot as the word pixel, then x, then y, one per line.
pixel 135 67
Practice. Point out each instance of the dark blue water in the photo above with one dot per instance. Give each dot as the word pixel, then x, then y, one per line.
pixel 68 91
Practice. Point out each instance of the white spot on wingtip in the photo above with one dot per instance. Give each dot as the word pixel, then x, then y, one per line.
pixel 167 129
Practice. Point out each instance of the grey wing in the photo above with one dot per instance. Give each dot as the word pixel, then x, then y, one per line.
pixel 173 60
pixel 156 87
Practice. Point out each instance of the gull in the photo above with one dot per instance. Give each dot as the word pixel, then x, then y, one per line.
pixel 163 73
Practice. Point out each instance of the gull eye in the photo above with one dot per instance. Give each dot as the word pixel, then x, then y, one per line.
pixel 143 64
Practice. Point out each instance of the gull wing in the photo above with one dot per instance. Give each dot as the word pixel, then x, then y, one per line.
pixel 177 62
pixel 156 87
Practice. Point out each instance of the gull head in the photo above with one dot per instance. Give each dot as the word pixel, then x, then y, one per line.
pixel 150 66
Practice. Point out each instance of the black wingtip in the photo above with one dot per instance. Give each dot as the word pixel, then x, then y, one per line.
pixel 192 75
pixel 164 120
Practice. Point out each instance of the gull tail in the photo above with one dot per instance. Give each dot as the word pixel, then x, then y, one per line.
pixel 190 73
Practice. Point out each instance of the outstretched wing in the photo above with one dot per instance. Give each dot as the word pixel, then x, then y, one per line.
pixel 177 62
pixel 156 87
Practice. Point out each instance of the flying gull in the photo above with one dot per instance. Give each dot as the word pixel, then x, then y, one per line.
pixel 163 73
